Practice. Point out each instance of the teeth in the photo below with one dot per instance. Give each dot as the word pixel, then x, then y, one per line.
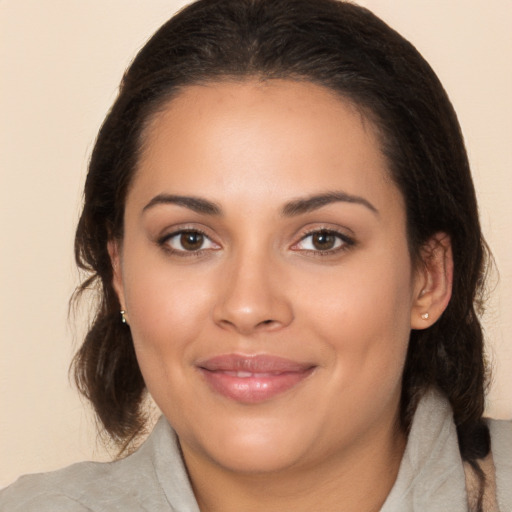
pixel 244 375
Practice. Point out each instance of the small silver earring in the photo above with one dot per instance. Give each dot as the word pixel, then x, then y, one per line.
pixel 424 316
pixel 123 317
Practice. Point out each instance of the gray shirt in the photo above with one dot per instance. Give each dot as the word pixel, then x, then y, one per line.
pixel 154 479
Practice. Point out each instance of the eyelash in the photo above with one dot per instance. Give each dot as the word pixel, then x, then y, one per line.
pixel 346 242
pixel 163 242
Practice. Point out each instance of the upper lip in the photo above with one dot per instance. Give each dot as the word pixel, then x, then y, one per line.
pixel 261 363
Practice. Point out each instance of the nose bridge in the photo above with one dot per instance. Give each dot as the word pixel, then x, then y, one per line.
pixel 252 298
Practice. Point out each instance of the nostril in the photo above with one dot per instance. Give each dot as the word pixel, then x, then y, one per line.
pixel 267 324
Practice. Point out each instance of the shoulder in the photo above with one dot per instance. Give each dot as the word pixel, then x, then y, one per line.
pixel 501 447
pixel 128 485
pixel 43 492
pixel 87 486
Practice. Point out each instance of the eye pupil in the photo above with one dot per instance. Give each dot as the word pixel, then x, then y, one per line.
pixel 324 240
pixel 191 241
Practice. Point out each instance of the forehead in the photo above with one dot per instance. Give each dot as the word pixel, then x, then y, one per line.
pixel 295 137
pixel 272 101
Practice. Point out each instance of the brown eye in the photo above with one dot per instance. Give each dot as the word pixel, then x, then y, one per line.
pixel 324 240
pixel 191 240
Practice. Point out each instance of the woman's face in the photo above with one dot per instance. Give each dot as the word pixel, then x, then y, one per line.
pixel 266 275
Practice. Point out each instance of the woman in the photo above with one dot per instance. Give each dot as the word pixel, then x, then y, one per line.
pixel 280 217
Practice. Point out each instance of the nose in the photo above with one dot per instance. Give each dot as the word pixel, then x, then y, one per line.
pixel 253 298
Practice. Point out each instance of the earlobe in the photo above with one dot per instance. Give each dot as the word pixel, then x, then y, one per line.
pixel 115 260
pixel 433 281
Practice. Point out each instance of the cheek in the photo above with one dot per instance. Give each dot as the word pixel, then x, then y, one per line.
pixel 363 316
pixel 167 315
pixel 167 311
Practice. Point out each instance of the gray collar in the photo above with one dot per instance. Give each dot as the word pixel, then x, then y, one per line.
pixel 431 474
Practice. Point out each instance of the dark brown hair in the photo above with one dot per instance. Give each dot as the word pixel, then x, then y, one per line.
pixel 349 50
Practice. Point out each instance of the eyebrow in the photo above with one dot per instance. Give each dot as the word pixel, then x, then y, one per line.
pixel 308 204
pixel 195 204
pixel 290 209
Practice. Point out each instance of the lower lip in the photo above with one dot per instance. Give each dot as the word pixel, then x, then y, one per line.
pixel 254 389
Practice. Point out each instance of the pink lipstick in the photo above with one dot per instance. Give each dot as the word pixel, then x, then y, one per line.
pixel 253 379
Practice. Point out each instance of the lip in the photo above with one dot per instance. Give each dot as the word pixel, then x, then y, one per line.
pixel 252 379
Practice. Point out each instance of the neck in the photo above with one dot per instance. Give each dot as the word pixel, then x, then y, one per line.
pixel 359 480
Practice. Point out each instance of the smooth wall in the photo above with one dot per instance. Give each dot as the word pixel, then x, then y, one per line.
pixel 60 64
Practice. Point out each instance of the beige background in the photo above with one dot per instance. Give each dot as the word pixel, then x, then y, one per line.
pixel 60 63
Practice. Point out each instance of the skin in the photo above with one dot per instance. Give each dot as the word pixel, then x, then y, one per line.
pixel 259 284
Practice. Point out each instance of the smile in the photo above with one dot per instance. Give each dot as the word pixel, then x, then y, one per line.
pixel 253 379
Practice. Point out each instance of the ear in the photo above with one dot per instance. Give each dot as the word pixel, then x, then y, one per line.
pixel 433 281
pixel 114 251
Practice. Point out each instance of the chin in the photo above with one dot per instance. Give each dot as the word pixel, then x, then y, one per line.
pixel 257 458
pixel 264 447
